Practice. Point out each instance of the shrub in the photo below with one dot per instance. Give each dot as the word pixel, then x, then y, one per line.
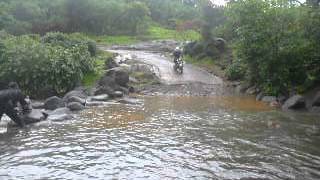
pixel 235 71
pixel 36 65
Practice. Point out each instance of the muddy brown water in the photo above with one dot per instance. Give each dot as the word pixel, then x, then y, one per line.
pixel 168 137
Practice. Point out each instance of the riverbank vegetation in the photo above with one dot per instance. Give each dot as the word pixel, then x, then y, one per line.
pixel 275 44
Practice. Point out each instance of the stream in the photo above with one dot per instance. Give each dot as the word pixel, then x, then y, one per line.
pixel 168 137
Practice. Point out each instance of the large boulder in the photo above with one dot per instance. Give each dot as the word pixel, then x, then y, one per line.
pixel 120 75
pixel 53 103
pixel 75 106
pixel 75 93
pixel 296 102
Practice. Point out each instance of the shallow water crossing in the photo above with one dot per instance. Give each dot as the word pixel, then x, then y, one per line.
pixel 168 137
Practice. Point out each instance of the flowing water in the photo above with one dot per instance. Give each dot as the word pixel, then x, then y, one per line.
pixel 168 137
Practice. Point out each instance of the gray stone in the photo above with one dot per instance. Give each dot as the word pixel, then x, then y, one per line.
pixel 75 93
pixel 58 111
pixel 60 117
pixel 37 105
pixel 315 109
pixel 251 90
pixel 117 94
pixel 95 103
pixel 296 102
pixel 75 106
pixel 259 96
pixel 76 99
pixel 316 100
pixel 53 103
pixel 34 116
pixel 103 97
pixel 129 101
pixel 60 114
pixel 269 99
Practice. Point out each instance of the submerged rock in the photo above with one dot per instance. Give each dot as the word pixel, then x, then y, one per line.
pixel 53 103
pixel 60 114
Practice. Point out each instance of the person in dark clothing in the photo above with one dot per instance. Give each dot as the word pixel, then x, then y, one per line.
pixel 177 53
pixel 8 101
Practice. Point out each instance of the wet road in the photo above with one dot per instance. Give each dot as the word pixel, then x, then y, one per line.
pixel 165 70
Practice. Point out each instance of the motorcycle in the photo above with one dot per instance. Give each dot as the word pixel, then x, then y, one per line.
pixel 178 65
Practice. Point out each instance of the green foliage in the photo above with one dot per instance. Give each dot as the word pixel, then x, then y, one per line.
pixel 235 71
pixel 278 41
pixel 36 65
pixel 71 40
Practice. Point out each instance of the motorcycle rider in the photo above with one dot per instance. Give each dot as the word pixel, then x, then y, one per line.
pixel 177 53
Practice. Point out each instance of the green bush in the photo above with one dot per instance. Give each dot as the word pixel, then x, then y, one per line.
pixel 67 41
pixel 278 41
pixel 235 71
pixel 38 66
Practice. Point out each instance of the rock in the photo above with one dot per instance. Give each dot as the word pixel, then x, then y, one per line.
pixel 281 99
pixel 107 81
pixel 251 90
pixel 53 103
pixel 259 96
pixel 76 99
pixel 34 116
pixel 117 94
pixel 111 63
pixel 60 114
pixel 75 106
pixel 75 93
pixel 241 88
pixel 37 105
pixel 316 100
pixel 133 80
pixel 129 101
pixel 295 103
pixel 95 103
pixel 58 111
pixel 121 76
pixel 315 109
pixel 60 117
pixel 103 90
pixel 269 99
pixel 103 97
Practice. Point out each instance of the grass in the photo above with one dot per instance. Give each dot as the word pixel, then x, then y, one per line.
pixel 154 32
pixel 157 32
pixel 91 78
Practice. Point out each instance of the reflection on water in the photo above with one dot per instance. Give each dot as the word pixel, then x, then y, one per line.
pixel 168 138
